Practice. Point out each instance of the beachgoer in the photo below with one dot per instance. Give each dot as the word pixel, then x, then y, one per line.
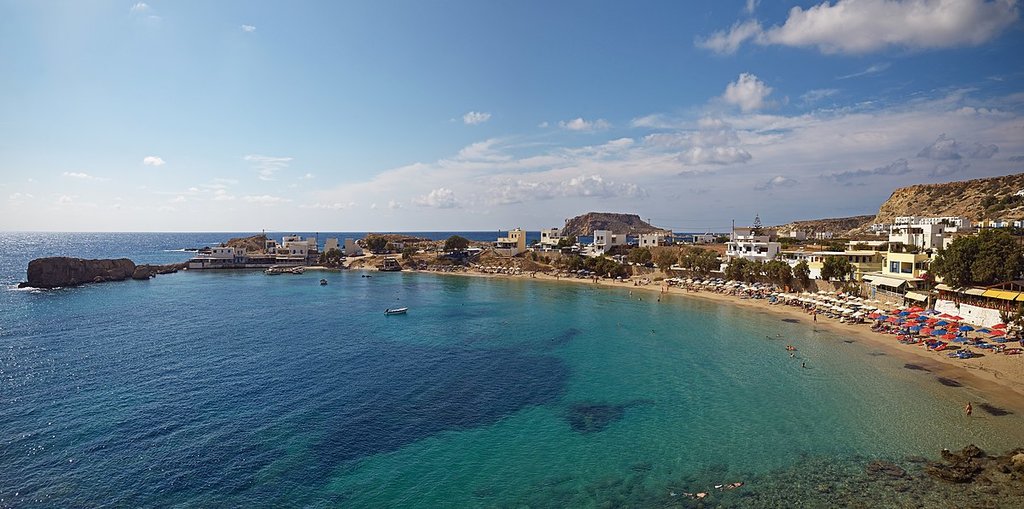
pixel 803 364
pixel 815 316
pixel 968 409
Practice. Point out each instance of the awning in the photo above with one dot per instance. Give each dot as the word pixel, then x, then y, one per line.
pixel 944 287
pixel 886 281
pixel 975 291
pixel 917 296
pixel 1000 294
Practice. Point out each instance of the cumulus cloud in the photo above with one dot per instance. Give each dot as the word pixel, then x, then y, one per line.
pixel 267 166
pixel 475 117
pixel 392 204
pixel 65 200
pixel 713 142
pixel 751 6
pixel 898 167
pixel 948 149
pixel 775 182
pixel 249 28
pixel 864 26
pixel 265 199
pixel 748 92
pixel 980 151
pixel 726 42
pixel 222 195
pixel 947 169
pixel 579 124
pixel 153 161
pixel 584 186
pixel 139 7
pixel 440 198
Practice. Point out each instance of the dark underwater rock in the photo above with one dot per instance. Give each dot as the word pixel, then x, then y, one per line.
pixel 949 382
pixel 590 418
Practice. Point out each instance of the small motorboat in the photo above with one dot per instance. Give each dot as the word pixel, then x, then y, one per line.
pixel 395 311
pixel 323 282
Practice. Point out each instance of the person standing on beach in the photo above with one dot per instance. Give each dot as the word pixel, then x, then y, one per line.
pixel 968 409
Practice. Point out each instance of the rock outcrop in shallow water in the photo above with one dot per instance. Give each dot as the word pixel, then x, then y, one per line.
pixel 58 271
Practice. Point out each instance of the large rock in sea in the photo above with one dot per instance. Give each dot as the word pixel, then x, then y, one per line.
pixel 63 271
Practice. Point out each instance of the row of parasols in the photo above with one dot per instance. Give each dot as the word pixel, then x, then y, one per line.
pixel 930 323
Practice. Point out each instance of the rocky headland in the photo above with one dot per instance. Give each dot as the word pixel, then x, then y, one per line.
pixel 60 271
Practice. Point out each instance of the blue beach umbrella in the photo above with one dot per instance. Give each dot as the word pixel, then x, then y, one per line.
pixel 983 330
pixel 938 333
pixel 904 313
pixel 940 323
pixel 916 328
pixel 966 328
pixel 921 318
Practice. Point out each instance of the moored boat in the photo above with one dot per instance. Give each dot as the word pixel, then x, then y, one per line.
pixel 323 282
pixel 395 311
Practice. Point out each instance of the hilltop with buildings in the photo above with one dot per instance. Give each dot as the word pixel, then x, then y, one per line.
pixel 995 198
pixel 839 227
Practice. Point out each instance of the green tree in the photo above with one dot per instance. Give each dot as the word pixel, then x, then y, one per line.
pixel 991 257
pixel 565 242
pixel 408 253
pixel 753 271
pixel 456 243
pixel 375 243
pixel 640 256
pixel 802 273
pixel 836 267
pixel 779 272
pixel 665 258
pixel 699 260
pixel 332 258
pixel 736 269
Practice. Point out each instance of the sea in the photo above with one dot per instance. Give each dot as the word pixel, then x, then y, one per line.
pixel 237 389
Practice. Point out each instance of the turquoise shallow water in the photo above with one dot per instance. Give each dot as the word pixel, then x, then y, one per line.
pixel 239 389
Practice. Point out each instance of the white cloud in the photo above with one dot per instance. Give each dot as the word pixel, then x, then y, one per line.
pixel 140 7
pixel 775 182
pixel 945 148
pixel 726 42
pixel 307 176
pixel 265 199
pixel 813 96
pixel 751 6
pixel 579 124
pixel 82 176
pixel 267 166
pixel 249 29
pixel 392 204
pixel 179 199
pixel 873 69
pixel 222 195
pixel 475 117
pixel 330 206
pixel 864 26
pixel 748 92
pixel 950 168
pixel 17 197
pixel 153 161
pixel 583 186
pixel 440 198
pixel 65 200
pixel 543 125
pixel 898 167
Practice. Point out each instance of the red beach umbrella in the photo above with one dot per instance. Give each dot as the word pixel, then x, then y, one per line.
pixel 957 318
pixel 926 330
pixel 997 333
pixel 1000 326
pixel 949 336
pixel 874 316
pixel 916 309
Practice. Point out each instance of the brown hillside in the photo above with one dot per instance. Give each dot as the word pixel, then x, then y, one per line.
pixel 617 223
pixel 987 198
pixel 839 225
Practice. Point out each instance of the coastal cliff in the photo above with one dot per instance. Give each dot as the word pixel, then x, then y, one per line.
pixel 618 223
pixel 59 271
pixel 987 198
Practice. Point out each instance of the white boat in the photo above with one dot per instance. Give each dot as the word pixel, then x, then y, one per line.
pixel 323 282
pixel 395 311
pixel 279 269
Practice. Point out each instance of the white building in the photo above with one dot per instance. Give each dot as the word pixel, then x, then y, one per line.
pixel 604 240
pixel 923 236
pixel 797 234
pixel 750 246
pixel 652 239
pixel 549 237
pixel 823 235
pixel 705 238
pixel 218 257
pixel 351 248
pixel 330 244
pixel 958 222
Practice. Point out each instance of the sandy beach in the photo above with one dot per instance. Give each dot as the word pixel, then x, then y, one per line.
pixel 998 378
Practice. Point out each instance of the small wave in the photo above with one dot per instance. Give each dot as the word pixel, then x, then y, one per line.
pixel 14 288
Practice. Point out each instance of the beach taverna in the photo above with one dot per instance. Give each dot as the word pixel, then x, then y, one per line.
pixel 981 305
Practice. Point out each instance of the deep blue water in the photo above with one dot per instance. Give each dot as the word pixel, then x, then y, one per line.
pixel 214 389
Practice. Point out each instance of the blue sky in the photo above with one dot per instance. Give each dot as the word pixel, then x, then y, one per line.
pixel 411 115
